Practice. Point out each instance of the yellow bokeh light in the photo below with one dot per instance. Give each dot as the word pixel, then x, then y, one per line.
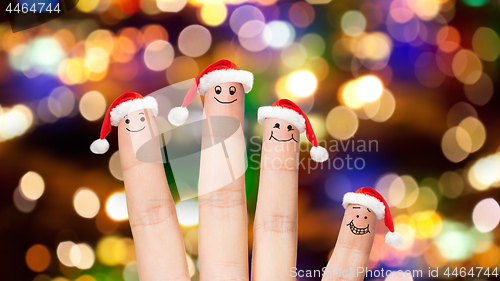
pixel 87 6
pixel 82 256
pixel 486 44
pixel 425 9
pixel 342 123
pixel 116 206
pixel 453 141
pixel 425 204
pixel 100 38
pixel 96 60
pixel 411 192
pixel 349 95
pixel 451 184
pixel 487 170
pixel 213 13
pixel 32 185
pixel 63 253
pixel 92 105
pixel 86 203
pixel 476 131
pixel 467 67
pixel 172 6
pixel 111 250
pixel 369 88
pixel 301 83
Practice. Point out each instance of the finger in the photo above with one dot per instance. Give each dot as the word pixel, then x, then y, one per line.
pixel 152 215
pixel 354 244
pixel 223 231
pixel 275 227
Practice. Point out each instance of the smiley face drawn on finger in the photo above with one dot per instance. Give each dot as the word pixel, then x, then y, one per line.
pixel 225 93
pixel 135 122
pixel 361 216
pixel 288 127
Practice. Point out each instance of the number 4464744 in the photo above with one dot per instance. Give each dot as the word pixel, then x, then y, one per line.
pixel 462 272
pixel 36 7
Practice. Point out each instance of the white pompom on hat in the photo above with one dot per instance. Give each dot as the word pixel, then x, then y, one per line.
pixel 121 106
pixel 287 110
pixel 370 198
pixel 222 71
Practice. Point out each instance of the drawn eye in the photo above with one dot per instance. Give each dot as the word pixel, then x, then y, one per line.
pixel 232 90
pixel 366 217
pixel 277 125
pixel 218 89
pixel 143 119
pixel 127 121
pixel 290 127
pixel 357 216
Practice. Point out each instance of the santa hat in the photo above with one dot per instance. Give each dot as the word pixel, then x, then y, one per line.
pixel 123 105
pixel 222 71
pixel 370 198
pixel 287 110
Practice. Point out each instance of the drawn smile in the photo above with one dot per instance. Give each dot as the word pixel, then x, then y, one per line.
pixel 135 131
pixel 358 231
pixel 225 101
pixel 273 137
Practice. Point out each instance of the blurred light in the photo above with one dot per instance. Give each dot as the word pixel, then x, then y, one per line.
pixel 85 278
pixel 403 32
pixel 281 34
pixel 314 44
pixel 301 14
pixel 486 44
pixel 400 11
pixel 130 272
pixel 369 88
pixel 82 256
pixel 44 113
pixel 486 215
pixel 425 9
pixel 63 253
pixel 301 83
pixel 254 62
pixel 429 224
pixel 476 131
pixel 38 258
pixel 408 233
pixel 159 55
pixel 448 39
pixel 92 105
pixel 100 38
pixel 23 204
pixel 318 123
pixel 182 68
pixel 349 94
pixel 191 266
pixel 427 70
pixel 111 250
pixel 187 212
pixel 32 185
pixel 374 50
pixel 475 3
pixel 61 101
pixel 490 257
pixel 386 108
pixel 213 13
pixel 391 187
pixel 87 6
pixel 153 32
pixel 116 206
pixel 480 92
pixel 451 184
pixel 194 40
pixel 96 59
pixel 319 66
pixel 472 177
pixel 425 204
pixel 86 203
pixel 254 36
pixel 459 112
pixel 455 243
pixel 411 193
pixel 294 55
pixel 45 52
pixel 191 240
pixel 115 166
pixel 453 142
pixel 353 23
pixel 433 257
pixel 172 6
pixel 467 67
pixel 487 170
pixel 244 14
pixel 342 123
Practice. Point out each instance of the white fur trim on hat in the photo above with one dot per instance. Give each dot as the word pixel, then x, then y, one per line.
pixel 215 77
pixel 99 146
pixel 282 113
pixel 178 115
pixel 393 238
pixel 319 154
pixel 365 200
pixel 125 108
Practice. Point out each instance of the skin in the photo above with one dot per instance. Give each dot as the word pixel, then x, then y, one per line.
pixel 152 214
pixel 223 232
pixel 276 218
pixel 352 251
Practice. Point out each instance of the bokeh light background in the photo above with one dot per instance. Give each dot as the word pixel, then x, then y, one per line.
pixel 415 79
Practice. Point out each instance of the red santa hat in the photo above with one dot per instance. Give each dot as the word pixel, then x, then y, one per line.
pixel 287 110
pixel 222 71
pixel 123 105
pixel 370 198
